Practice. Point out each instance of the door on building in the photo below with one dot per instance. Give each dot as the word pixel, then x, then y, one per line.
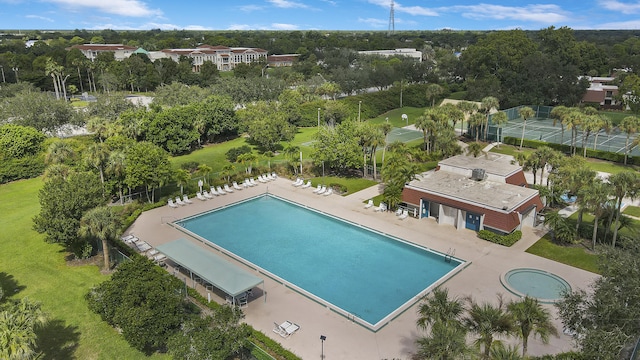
pixel 424 208
pixel 473 221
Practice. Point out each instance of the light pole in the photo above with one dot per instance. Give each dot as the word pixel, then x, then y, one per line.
pixel 318 118
pixel 322 339
pixel 359 107
pixel 15 70
pixel 3 79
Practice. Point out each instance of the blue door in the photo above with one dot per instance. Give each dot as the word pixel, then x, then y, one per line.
pixel 424 212
pixel 473 221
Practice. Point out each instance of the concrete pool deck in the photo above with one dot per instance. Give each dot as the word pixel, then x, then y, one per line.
pixel 344 338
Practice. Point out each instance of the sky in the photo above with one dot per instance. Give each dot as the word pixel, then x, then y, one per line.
pixel 369 15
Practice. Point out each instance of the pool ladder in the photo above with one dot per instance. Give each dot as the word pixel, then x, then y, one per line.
pixel 450 254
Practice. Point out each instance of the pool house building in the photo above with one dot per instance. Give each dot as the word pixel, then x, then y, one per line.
pixel 487 192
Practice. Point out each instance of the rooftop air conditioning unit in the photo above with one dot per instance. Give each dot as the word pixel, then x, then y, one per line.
pixel 477 174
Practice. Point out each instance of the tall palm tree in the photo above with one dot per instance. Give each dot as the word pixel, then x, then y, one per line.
pixel 116 166
pixel 386 129
pixel 427 123
pixel 291 151
pixel 486 105
pixel 247 159
pixel 227 170
pixel 57 170
pixel 97 156
pixel 624 184
pixel 606 125
pixel 467 108
pixel 530 317
pixel 595 197
pixel 500 118
pixel 432 93
pixel 488 322
pixel 629 125
pixel 453 113
pixel 103 224
pixel 590 125
pixel 573 120
pixel 18 324
pixel 182 177
pixel 501 352
pixel 526 113
pixel 377 139
pixel 444 342
pixel 475 121
pixel 557 114
pixel 204 170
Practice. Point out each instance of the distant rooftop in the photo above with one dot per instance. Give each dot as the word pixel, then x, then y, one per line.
pixel 492 163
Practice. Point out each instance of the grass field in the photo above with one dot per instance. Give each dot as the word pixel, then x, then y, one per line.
pixel 574 256
pixel 38 270
pixel 632 210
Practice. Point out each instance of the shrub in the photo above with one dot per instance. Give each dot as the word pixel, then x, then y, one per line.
pixel 505 240
pixel 273 348
pixel 190 166
pixel 21 168
pixel 339 188
pixel 233 153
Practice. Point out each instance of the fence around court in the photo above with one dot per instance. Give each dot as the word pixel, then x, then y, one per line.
pixel 541 127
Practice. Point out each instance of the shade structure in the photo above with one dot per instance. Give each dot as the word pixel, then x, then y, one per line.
pixel 211 268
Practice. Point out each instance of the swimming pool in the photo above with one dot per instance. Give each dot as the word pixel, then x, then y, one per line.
pixel 363 273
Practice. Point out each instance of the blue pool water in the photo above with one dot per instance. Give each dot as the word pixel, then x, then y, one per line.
pixel 360 271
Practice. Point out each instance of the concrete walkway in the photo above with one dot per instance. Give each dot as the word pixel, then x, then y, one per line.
pixel 486 263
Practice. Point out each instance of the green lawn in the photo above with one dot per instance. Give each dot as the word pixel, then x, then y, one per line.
pixel 38 270
pixel 574 256
pixel 632 210
pixel 395 116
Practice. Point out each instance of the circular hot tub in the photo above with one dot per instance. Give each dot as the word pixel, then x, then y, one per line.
pixel 539 284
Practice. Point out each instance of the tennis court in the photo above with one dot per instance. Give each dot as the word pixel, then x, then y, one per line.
pixel 403 135
pixel 542 128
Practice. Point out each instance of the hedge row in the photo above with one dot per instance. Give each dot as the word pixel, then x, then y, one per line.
pixel 21 168
pixel 505 240
pixel 595 154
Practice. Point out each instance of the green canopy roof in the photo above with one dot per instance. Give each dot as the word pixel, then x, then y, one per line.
pixel 211 268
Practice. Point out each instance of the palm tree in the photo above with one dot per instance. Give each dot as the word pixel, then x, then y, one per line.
pixel 530 317
pixel 204 170
pixel 595 197
pixel 467 108
pixel 438 307
pixel 116 166
pixel 486 105
pixel 386 129
pixel 377 139
pixel 591 124
pixel 58 152
pixel 557 114
pixel 500 118
pixel 432 92
pixel 475 121
pixel 18 324
pixel 624 184
pixel 487 322
pixel 427 123
pixel 57 170
pixel 561 231
pixel 453 113
pixel 227 170
pixel 629 125
pixel 103 224
pixel 526 113
pixel 501 352
pixel 573 120
pixel 291 151
pixel 96 156
pixel 443 343
pixel 247 158
pixel 606 125
pixel 182 177
pixel 475 149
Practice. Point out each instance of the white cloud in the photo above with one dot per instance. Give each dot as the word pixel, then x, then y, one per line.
pixel 287 4
pixel 536 13
pixel 133 8
pixel 411 10
pixel 38 17
pixel 279 26
pixel 622 25
pixel 375 23
pixel 625 8
pixel 147 26
pixel 250 8
pixel 239 27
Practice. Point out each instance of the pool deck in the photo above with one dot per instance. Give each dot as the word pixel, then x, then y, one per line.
pixel 344 338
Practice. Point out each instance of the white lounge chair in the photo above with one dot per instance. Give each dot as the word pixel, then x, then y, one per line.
pixel 399 212
pixel 268 177
pixel 151 253
pixel 274 175
pixel 206 194
pixel 369 204
pixel 200 196
pixel 227 188
pixel 298 182
pixel 286 329
pixel 143 246
pixel 246 183
pixel 171 203
pixel 404 215
pixel 315 191
pixel 322 190
pixel 213 191
pixel 159 258
pixel 236 186
pixel 186 200
pixel 128 238
pixel 381 207
pixel 253 182
pixel 328 192
pixel 261 179
pixel 179 201
pixel 221 191
pixel 308 184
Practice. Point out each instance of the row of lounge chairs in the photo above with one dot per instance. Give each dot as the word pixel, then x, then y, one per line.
pixel 179 202
pixel 144 248
pixel 285 329
pixel 320 190
pixel 381 207
pixel 221 190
